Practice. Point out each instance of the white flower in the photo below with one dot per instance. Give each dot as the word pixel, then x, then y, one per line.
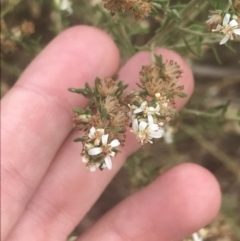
pixel 64 5
pixel 94 167
pixel 196 237
pixel 146 109
pixel 106 149
pixel 17 34
pixel 145 132
pixel 96 134
pixel 168 135
pixel 228 28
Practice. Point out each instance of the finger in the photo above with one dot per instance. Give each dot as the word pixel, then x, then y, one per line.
pixel 69 190
pixel 36 113
pixel 177 204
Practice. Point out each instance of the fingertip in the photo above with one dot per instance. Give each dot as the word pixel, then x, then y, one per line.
pixel 101 42
pixel 77 49
pixel 196 196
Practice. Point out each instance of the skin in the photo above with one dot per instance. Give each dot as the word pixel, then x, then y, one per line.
pixel 47 190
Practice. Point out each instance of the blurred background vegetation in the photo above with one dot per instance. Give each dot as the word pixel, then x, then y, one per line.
pixel 207 131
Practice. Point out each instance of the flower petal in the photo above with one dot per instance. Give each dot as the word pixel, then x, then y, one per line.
pixel 153 127
pixel 233 23
pixel 224 40
pixel 156 134
pixel 108 162
pixel 91 132
pixel 85 159
pixel 135 125
pixel 217 28
pixel 237 31
pixel 95 151
pixel 143 105
pixel 150 120
pixel 92 169
pixel 138 110
pixel 104 139
pixel 112 153
pixel 142 125
pixel 115 143
pixel 226 19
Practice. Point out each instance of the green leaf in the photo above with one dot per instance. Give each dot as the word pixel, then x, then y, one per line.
pixel 230 48
pixel 88 111
pixel 159 60
pixel 225 108
pixel 103 113
pixel 117 129
pixel 79 91
pixel 135 102
pixel 190 49
pixel 198 45
pixel 168 95
pixel 79 139
pixel 216 55
pixel 182 95
pixel 97 82
pixel 79 111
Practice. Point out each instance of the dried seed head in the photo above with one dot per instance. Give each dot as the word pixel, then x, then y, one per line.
pixel 3 25
pixel 214 19
pixel 27 28
pixel 97 122
pixel 107 86
pixel 236 5
pixel 8 45
pixel 120 120
pixel 142 9
pixel 156 80
pixel 81 122
pixel 139 8
pixel 118 5
pixel 171 71
pixel 111 104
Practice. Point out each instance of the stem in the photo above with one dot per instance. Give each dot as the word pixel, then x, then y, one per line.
pixel 193 31
pixel 159 38
pixel 127 39
pixel 211 115
pixel 228 6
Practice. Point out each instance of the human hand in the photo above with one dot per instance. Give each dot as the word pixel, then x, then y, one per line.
pixel 46 189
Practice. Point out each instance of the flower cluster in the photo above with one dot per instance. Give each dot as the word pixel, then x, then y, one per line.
pixel 98 148
pixel 153 106
pixel 112 110
pixel 228 25
pixel 139 8
pixel 104 121
pixel 10 37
